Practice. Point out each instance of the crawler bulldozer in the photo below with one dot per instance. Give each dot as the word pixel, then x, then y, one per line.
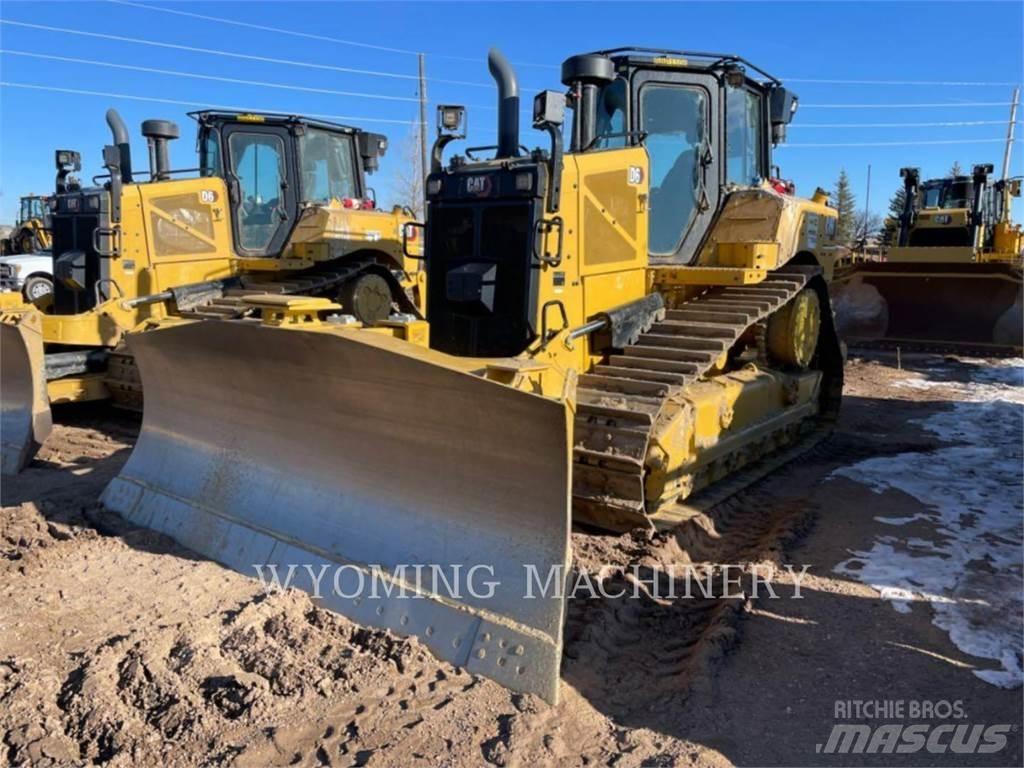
pixel 278 204
pixel 30 233
pixel 615 328
pixel 952 281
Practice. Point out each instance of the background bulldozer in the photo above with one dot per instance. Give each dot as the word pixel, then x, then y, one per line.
pixel 612 329
pixel 953 278
pixel 280 205
pixel 31 231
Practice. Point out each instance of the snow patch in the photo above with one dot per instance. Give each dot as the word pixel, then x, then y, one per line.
pixel 969 566
pixel 983 381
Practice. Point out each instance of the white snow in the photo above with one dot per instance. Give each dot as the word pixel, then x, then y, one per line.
pixel 987 380
pixel 968 566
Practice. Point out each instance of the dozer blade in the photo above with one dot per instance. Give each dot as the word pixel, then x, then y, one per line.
pixel 340 451
pixel 972 306
pixel 25 420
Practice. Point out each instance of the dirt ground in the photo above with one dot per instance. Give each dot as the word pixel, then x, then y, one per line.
pixel 119 647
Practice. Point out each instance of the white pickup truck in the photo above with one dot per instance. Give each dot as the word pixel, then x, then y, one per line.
pixel 30 273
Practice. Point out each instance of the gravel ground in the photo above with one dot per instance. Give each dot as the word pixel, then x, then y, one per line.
pixel 119 647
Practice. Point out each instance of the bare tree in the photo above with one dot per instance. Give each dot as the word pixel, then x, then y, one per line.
pixel 408 182
pixel 868 224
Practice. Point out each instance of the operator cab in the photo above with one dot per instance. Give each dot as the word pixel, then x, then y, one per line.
pixel 707 121
pixel 952 212
pixel 946 194
pixel 680 106
pixel 276 166
pixel 33 207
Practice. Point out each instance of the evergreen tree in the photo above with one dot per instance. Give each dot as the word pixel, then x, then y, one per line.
pixel 956 170
pixel 846 205
pixel 891 227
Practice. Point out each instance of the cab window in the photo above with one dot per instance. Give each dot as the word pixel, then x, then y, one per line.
pixel 610 126
pixel 958 195
pixel 744 136
pixel 675 121
pixel 947 195
pixel 210 155
pixel 258 162
pixel 328 166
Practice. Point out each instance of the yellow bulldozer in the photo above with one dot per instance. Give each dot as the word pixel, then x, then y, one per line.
pixel 613 327
pixel 30 233
pixel 279 204
pixel 952 281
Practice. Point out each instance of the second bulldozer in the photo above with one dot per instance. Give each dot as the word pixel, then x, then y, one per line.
pixel 612 329
pixel 952 281
pixel 279 205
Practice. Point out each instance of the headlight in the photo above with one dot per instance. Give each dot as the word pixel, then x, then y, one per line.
pixel 524 182
pixel 16 268
pixel 433 186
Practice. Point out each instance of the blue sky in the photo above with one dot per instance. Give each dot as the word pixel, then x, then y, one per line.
pixel 952 41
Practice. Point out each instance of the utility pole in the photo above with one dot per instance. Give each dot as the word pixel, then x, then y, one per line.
pixel 867 214
pixel 1009 132
pixel 423 116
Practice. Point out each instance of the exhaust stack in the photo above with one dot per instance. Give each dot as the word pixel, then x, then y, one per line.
pixel 120 133
pixel 158 133
pixel 508 103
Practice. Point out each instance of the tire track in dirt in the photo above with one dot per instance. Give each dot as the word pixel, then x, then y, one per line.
pixel 651 651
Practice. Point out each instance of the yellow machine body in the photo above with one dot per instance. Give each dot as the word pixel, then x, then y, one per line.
pixel 171 250
pixel 569 371
pixel 169 238
pixel 30 233
pixel 952 281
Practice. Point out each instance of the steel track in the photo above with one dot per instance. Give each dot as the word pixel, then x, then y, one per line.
pixel 619 403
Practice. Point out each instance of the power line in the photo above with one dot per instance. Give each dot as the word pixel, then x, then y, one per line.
pixel 899 125
pixel 899 143
pixel 378 73
pixel 217 78
pixel 401 76
pixel 312 36
pixel 220 78
pixel 372 46
pixel 263 28
pixel 233 55
pixel 231 108
pixel 907 106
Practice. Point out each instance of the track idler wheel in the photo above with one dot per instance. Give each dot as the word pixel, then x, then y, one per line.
pixel 368 297
pixel 793 330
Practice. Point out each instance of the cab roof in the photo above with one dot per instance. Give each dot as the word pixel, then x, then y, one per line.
pixel 670 58
pixel 271 118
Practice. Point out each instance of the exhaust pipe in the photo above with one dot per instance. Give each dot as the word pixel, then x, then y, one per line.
pixel 508 103
pixel 158 133
pixel 120 133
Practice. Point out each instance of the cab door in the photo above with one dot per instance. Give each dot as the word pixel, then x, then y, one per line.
pixel 259 168
pixel 677 114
